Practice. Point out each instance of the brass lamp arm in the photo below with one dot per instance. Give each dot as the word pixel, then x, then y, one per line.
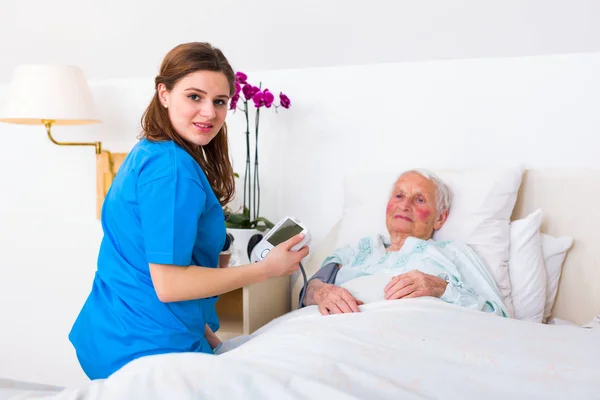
pixel 48 125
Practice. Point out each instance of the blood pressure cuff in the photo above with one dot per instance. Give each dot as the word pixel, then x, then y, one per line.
pixel 326 274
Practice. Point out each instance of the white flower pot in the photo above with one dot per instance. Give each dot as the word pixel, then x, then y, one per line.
pixel 239 248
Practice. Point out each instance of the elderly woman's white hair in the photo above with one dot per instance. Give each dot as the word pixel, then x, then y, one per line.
pixel 443 194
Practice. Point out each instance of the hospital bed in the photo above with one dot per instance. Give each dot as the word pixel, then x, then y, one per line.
pixel 409 349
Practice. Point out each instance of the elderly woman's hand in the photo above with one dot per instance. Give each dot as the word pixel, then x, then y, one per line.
pixel 333 299
pixel 414 284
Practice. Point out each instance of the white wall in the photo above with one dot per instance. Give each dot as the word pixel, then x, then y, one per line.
pixel 49 239
pixel 115 38
pixel 541 111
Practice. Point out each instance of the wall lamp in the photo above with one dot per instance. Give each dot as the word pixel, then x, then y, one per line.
pixel 54 95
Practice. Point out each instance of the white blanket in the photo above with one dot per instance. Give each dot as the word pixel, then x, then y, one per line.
pixel 405 349
pixel 10 388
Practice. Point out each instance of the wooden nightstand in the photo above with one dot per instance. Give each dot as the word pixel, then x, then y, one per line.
pixel 245 310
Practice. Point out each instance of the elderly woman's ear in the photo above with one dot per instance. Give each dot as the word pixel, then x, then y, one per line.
pixel 441 219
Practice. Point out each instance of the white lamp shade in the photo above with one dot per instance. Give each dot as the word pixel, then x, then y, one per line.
pixel 57 93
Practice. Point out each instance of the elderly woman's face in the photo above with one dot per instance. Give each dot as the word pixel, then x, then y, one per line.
pixel 411 209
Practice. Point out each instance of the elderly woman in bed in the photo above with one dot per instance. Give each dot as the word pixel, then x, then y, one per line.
pixel 408 263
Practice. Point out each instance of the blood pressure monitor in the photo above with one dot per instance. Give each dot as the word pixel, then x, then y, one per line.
pixel 285 229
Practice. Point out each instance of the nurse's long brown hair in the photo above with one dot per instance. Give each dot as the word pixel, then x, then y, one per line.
pixel 156 125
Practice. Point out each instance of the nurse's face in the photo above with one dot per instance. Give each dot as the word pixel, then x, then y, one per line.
pixel 197 105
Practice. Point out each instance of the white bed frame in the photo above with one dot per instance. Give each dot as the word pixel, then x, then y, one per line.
pixel 568 198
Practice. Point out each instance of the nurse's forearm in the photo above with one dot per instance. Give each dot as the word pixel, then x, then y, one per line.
pixel 176 283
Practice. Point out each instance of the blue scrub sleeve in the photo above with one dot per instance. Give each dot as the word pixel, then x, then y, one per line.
pixel 170 208
pixel 210 313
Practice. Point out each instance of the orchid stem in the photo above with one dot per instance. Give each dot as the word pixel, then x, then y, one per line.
pixel 247 172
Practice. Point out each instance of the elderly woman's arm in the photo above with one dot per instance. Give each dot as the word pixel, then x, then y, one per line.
pixel 331 299
pixel 467 282
pixel 451 290
pixel 462 295
pixel 322 291
pixel 311 289
pixel 475 286
pixel 326 274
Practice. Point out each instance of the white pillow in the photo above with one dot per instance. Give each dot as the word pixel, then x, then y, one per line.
pixel 555 251
pixel 369 288
pixel 561 322
pixel 360 221
pixel 526 268
pixel 594 323
pixel 483 201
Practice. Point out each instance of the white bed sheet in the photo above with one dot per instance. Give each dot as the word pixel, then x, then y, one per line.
pixel 10 388
pixel 410 349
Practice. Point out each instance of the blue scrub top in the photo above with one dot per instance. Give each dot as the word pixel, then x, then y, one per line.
pixel 159 209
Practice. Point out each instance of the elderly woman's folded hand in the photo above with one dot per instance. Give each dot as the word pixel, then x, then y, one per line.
pixel 333 299
pixel 414 284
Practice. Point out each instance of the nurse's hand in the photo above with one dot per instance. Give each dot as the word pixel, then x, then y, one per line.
pixel 281 261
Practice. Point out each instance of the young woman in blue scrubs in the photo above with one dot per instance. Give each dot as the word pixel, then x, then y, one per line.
pixel 157 279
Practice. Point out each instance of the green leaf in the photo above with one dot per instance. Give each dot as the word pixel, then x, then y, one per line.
pixel 261 224
pixel 238 219
pixel 267 223
pixel 244 225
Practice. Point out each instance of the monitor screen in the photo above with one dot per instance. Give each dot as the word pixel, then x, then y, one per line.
pixel 285 231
